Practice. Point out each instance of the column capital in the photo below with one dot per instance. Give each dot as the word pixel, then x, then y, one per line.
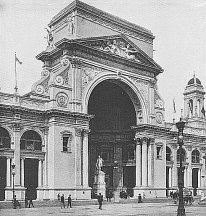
pixel 16 127
pixel 188 147
pixel 76 62
pixel 86 132
pixel 78 132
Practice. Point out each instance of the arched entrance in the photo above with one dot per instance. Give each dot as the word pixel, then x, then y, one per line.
pixel 5 143
pixel 111 135
pixel 31 142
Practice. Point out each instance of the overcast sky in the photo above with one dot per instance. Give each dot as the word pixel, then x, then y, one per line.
pixel 178 25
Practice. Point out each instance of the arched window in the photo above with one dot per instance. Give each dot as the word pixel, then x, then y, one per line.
pixel 31 140
pixel 5 140
pixel 183 155
pixel 168 154
pixel 195 156
pixel 190 104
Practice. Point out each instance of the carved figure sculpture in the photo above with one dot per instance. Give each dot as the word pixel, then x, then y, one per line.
pixel 99 163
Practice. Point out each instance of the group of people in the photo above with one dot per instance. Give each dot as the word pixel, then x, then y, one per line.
pixel 28 202
pixel 62 199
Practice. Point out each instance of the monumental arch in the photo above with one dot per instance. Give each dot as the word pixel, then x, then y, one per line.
pixel 97 95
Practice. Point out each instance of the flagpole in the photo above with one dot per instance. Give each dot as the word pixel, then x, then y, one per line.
pixel 16 88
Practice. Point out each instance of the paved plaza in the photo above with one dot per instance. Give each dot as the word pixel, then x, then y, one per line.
pixel 117 209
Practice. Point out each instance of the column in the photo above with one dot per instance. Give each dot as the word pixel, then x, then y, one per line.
pixel 16 133
pixel 8 172
pixel 199 178
pixel 149 165
pixel 85 158
pixel 170 177
pixel 189 169
pixel 174 170
pixel 185 177
pixel 22 172
pixel 144 161
pixel 138 162
pixel 78 157
pixel 45 167
pixel 40 174
pixel 152 141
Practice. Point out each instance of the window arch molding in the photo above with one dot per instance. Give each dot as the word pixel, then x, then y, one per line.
pixel 195 156
pixel 5 137
pixel 184 155
pixel 31 139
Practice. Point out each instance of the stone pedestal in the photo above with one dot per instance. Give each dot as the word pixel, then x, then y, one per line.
pixel 99 185
pixel 18 191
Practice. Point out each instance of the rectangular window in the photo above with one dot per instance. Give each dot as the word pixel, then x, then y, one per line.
pixel 159 152
pixel 65 144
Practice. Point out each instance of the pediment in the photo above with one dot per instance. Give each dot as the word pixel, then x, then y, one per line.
pixel 121 46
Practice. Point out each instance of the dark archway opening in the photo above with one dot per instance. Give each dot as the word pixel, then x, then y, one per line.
pixel 31 177
pixel 114 114
pixel 2 177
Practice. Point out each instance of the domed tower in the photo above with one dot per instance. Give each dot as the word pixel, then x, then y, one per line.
pixel 194 99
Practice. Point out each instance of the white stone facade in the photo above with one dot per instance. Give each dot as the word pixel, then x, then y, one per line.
pixel 47 133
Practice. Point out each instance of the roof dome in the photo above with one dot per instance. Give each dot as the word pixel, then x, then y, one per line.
pixel 194 80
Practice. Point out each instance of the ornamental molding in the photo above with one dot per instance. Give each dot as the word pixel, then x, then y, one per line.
pixel 143 87
pixel 62 99
pixel 159 118
pixel 89 73
pixel 78 132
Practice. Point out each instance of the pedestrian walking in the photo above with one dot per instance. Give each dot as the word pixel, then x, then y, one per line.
pixel 26 201
pixel 58 196
pixel 31 202
pixel 62 201
pixel 139 198
pixel 16 203
pixel 100 200
pixel 69 204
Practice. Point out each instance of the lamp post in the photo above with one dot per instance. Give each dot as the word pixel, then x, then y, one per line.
pixel 180 126
pixel 13 174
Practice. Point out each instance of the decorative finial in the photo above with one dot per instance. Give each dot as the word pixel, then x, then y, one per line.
pixel 194 78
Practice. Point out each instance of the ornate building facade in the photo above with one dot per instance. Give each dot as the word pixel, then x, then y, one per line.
pixel 97 96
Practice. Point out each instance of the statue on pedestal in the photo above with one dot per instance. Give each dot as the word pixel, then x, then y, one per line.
pixel 99 185
pixel 99 163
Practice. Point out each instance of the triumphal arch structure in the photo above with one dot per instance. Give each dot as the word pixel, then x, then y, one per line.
pixel 97 95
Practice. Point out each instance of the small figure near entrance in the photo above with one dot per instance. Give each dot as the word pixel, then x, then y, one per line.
pixel 99 163
pixel 62 201
pixel 139 198
pixel 16 203
pixel 31 202
pixel 58 196
pixel 26 201
pixel 69 204
pixel 100 200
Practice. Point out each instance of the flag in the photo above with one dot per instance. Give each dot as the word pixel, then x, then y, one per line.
pixel 17 60
pixel 203 111
pixel 174 107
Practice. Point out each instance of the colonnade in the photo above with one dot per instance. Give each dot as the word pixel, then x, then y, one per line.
pixel 144 162
pixel 9 180
pixel 173 170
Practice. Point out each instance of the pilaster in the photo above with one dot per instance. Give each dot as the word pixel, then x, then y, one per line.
pixel 76 84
